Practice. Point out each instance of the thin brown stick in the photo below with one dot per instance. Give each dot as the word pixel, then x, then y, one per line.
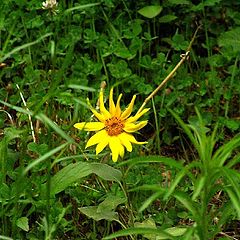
pixel 170 75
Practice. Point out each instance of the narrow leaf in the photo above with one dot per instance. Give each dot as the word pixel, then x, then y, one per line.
pixel 81 7
pixel 235 200
pixel 135 231
pixel 198 186
pixel 44 157
pixel 150 200
pixel 187 202
pixel 153 159
pixel 54 126
pixel 175 182
pixel 186 129
pixel 17 49
pixel 5 238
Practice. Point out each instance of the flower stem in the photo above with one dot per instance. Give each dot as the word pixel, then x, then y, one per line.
pixel 170 75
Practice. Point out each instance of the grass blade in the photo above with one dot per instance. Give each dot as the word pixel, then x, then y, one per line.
pixel 44 157
pixel 17 49
pixel 54 126
pixel 135 231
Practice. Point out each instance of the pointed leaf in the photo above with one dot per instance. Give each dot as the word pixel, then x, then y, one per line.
pixel 23 223
pixel 110 203
pixel 93 213
pixel 106 172
pixel 68 175
pixel 150 11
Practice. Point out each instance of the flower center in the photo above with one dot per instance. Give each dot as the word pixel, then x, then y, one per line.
pixel 114 126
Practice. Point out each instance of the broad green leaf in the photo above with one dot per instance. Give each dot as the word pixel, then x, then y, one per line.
pixel 92 212
pixel 119 69
pixel 106 172
pixel 150 11
pixel 105 210
pixel 176 231
pixel 232 124
pixel 38 148
pixel 12 133
pixel 111 202
pixel 167 18
pixel 23 223
pixel 68 175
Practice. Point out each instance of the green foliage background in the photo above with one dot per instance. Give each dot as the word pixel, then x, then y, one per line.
pixel 58 59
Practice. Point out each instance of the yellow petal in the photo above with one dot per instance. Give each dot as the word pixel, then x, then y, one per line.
pixel 121 151
pixel 96 138
pixel 89 126
pixel 132 139
pixel 137 116
pixel 129 109
pixel 115 147
pixel 125 139
pixel 118 109
pixel 98 115
pixel 132 127
pixel 112 107
pixel 104 142
pixel 103 110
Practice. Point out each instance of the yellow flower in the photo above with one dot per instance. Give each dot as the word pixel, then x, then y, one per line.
pixel 114 128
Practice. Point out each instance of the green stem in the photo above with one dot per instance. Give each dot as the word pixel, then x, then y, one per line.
pixel 157 127
pixel 171 74
pixel 203 228
pixel 230 86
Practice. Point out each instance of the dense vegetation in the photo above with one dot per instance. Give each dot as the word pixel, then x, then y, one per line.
pixel 184 183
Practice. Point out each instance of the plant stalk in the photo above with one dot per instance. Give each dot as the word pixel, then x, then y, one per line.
pixel 170 75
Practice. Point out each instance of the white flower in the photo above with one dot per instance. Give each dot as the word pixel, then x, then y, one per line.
pixel 49 4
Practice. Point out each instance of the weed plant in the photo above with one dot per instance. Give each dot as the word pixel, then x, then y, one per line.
pixel 184 184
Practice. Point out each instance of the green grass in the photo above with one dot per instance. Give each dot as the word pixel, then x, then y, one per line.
pixel 183 184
